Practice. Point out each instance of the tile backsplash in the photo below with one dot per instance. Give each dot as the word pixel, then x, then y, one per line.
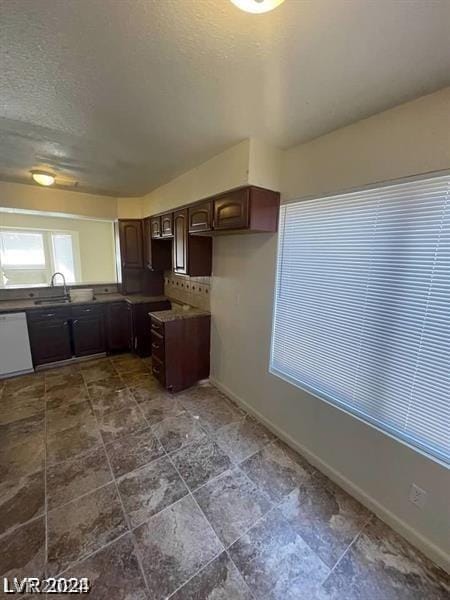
pixel 188 290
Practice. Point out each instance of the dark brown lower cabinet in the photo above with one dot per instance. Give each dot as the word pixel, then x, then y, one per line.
pixel 50 338
pixel 119 326
pixel 88 330
pixel 180 351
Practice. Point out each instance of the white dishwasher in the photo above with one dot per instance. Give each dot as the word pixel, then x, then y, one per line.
pixel 15 353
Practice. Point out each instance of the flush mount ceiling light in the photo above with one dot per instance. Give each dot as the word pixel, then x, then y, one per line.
pixel 42 177
pixel 257 6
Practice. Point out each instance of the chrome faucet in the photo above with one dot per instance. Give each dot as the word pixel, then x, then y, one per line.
pixel 52 282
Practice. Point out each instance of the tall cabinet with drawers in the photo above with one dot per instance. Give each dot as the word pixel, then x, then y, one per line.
pixel 180 349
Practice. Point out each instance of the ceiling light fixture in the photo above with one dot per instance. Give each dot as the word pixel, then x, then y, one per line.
pixel 42 177
pixel 257 6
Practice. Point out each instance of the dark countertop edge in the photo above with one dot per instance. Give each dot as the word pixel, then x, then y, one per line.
pixel 11 306
pixel 165 316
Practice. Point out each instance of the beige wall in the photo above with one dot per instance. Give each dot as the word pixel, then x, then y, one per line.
pixel 34 197
pixel 413 138
pixel 222 172
pixel 96 242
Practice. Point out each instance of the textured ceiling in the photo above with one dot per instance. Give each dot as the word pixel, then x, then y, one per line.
pixel 121 95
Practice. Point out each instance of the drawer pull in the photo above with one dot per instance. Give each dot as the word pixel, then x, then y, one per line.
pixel 155 346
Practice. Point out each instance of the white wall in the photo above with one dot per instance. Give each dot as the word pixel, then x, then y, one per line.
pixel 410 139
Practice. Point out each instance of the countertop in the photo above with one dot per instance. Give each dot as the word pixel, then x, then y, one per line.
pixel 177 313
pixel 28 303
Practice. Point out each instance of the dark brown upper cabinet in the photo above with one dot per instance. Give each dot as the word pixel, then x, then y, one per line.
pixel 247 209
pixel 155 224
pixel 157 251
pixel 200 217
pixel 192 255
pixel 231 210
pixel 131 250
pixel 167 225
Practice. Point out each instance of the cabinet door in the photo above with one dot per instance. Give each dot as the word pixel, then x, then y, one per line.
pixel 180 241
pixel 157 252
pixel 88 332
pixel 156 227
pixel 130 233
pixel 231 210
pixel 167 225
pixel 50 340
pixel 200 217
pixel 117 327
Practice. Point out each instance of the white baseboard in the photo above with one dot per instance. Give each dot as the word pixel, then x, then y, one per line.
pixel 435 553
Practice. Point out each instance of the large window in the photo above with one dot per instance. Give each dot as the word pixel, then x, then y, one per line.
pixel 30 257
pixel 362 307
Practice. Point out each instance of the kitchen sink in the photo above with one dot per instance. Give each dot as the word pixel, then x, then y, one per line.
pixel 52 301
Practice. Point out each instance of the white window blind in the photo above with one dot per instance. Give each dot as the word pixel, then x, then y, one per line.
pixel 362 306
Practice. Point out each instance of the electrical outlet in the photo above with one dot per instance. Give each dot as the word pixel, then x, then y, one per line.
pixel 417 496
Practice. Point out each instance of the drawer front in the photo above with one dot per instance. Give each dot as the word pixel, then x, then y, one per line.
pixel 49 314
pixel 158 348
pixel 86 310
pixel 157 326
pixel 159 371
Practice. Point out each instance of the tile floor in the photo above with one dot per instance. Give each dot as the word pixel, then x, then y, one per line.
pixel 104 475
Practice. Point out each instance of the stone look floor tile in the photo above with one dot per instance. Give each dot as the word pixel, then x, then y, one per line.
pixel 97 371
pixel 108 395
pixel 275 471
pixel 174 545
pixel 23 459
pixel 232 504
pixel 220 579
pixel 272 559
pixel 27 386
pixel 72 478
pixel 113 573
pixel 157 405
pixel 77 529
pixel 21 500
pixel 200 461
pixel 69 415
pixel 18 408
pixel 30 429
pixel 119 423
pixel 282 551
pixel 212 408
pixel 63 381
pixel 150 489
pixel 176 432
pixel 23 552
pixel 78 439
pixel 326 517
pixel 132 365
pixel 381 565
pixel 144 380
pixel 131 452
pixel 64 396
pixel 243 438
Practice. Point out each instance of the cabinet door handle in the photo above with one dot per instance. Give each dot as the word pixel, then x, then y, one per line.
pixel 155 370
pixel 49 315
pixel 155 346
pixel 75 322
pixel 66 323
